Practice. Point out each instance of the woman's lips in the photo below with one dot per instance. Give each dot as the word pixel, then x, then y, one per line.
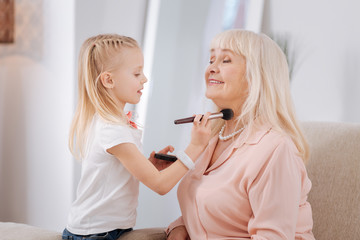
pixel 214 82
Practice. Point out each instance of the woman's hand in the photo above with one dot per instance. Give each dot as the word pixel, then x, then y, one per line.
pixel 179 233
pixel 158 163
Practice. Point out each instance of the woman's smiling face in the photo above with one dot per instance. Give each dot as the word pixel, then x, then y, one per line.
pixel 225 77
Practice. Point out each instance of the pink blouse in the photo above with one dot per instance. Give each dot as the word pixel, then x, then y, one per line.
pixel 257 189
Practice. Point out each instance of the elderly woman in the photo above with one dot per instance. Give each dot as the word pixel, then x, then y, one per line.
pixel 251 181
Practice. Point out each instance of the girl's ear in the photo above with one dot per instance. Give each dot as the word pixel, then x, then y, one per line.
pixel 106 80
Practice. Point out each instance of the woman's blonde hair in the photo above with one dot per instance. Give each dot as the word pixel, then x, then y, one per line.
pixel 98 54
pixel 267 74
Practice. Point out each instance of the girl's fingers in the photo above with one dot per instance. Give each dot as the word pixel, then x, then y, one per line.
pixel 205 119
pixel 197 119
pixel 167 149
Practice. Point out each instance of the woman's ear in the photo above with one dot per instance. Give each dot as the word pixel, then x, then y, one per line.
pixel 106 80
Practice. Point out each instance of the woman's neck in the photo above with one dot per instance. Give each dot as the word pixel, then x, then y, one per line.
pixel 232 126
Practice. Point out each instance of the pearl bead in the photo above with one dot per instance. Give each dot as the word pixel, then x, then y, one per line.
pixel 224 138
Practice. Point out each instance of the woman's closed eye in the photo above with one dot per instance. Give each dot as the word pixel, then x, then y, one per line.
pixel 224 61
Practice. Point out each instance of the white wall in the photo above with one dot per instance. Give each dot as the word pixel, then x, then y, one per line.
pixel 36 102
pixel 176 65
pixel 327 84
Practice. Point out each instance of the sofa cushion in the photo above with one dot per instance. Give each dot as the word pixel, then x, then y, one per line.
pixel 12 231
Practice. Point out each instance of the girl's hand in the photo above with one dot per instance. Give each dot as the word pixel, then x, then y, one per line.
pixel 158 163
pixel 179 233
pixel 201 131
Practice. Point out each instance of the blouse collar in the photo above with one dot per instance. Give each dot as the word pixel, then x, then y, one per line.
pixel 254 138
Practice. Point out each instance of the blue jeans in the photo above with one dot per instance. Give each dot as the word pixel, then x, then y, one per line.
pixel 112 235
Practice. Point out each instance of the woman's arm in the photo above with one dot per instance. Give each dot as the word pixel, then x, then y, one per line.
pixel 275 196
pixel 179 233
pixel 162 182
pixel 177 230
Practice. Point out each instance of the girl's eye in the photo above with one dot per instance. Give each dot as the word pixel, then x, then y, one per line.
pixel 227 61
pixel 137 74
pixel 211 62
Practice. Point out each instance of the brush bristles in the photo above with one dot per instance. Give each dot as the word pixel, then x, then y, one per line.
pixel 227 114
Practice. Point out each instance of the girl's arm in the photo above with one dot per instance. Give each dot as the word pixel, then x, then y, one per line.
pixel 162 182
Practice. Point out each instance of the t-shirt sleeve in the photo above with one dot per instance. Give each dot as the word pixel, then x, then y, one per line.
pixel 112 135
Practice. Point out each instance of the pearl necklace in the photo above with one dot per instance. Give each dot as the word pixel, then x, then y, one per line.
pixel 224 138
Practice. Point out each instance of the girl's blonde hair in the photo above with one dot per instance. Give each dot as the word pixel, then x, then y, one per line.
pixel 267 74
pixel 98 54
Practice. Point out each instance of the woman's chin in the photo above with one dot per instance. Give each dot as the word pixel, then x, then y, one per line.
pixel 211 96
pixel 220 103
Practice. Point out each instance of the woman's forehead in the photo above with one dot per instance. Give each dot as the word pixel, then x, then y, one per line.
pixel 221 50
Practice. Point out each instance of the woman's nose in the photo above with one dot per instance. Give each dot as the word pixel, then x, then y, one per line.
pixel 213 68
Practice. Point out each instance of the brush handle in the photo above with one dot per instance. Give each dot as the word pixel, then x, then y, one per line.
pixel 191 119
pixel 184 120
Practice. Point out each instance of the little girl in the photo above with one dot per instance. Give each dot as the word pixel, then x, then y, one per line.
pixel 111 75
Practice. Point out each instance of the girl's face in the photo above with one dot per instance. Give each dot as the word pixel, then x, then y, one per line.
pixel 226 84
pixel 128 77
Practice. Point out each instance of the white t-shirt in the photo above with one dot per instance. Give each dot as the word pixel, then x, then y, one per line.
pixel 107 194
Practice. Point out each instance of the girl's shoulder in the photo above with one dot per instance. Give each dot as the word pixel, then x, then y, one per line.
pixel 101 123
pixel 108 128
pixel 108 133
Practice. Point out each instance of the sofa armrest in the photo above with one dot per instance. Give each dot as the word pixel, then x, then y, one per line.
pixel 12 231
pixel 145 234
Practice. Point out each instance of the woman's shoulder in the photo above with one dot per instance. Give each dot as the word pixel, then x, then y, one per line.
pixel 282 149
pixel 276 148
pixel 270 137
pixel 280 137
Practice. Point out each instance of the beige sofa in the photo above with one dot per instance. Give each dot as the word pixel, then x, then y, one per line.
pixel 17 231
pixel 334 169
